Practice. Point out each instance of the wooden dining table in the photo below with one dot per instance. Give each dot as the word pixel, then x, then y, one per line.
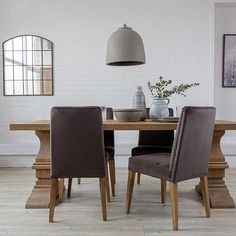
pixel 218 191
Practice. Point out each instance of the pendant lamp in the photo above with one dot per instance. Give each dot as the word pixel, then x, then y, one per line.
pixel 125 48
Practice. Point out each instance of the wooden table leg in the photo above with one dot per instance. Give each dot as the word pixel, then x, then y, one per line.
pixel 218 191
pixel 40 195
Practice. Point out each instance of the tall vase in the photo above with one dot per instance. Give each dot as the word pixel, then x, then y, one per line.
pixel 139 102
pixel 159 108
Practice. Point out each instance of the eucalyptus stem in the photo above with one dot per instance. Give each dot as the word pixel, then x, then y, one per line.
pixel 159 89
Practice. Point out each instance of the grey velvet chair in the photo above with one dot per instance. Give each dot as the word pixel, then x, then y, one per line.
pixel 153 141
pixel 77 149
pixel 188 158
pixel 109 142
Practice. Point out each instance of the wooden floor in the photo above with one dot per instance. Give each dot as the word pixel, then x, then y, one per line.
pixel 81 215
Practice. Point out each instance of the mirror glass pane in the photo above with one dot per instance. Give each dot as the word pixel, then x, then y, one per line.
pixel 47 58
pixel 47 86
pixel 28 75
pixel 47 73
pixel 18 73
pixel 37 73
pixel 38 88
pixel 8 58
pixel 9 87
pixel 28 66
pixel 18 87
pixel 29 42
pixel 8 45
pixel 37 43
pixel 28 87
pixel 17 43
pixel 47 45
pixel 9 72
pixel 18 58
pixel 27 58
pixel 37 58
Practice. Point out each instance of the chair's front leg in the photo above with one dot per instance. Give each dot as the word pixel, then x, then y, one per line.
pixel 107 185
pixel 174 204
pixel 102 184
pixel 112 176
pixel 205 195
pixel 61 190
pixel 53 194
pixel 163 191
pixel 129 193
pixel 138 178
pixel 69 187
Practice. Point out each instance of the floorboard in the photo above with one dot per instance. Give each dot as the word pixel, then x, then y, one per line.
pixel 81 215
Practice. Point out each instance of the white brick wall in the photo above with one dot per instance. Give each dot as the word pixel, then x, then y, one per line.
pixel 176 35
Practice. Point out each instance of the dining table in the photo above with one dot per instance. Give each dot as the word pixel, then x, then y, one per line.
pixel 218 191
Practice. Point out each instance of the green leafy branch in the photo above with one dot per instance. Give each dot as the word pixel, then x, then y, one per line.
pixel 159 89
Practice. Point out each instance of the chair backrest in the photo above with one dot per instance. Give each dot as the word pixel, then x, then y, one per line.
pixel 192 144
pixel 109 139
pixel 77 145
pixel 156 137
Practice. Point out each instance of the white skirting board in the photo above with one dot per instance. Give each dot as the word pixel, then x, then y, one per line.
pixel 18 155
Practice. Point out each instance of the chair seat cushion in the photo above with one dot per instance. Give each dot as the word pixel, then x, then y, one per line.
pixel 156 165
pixel 149 149
pixel 111 152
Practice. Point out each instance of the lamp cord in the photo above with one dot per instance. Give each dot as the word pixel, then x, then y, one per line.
pixel 125 12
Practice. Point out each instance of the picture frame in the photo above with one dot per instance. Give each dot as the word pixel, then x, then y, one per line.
pixel 229 61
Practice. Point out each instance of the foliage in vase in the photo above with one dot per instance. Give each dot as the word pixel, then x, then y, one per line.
pixel 160 89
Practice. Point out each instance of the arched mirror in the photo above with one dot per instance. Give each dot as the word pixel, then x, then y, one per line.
pixel 27 66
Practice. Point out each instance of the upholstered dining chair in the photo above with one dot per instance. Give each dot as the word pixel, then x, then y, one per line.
pixel 77 149
pixel 153 141
pixel 188 158
pixel 109 142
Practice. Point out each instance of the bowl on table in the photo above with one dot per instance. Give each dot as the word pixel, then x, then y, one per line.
pixel 128 114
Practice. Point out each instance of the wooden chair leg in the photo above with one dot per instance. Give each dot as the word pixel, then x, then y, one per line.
pixel 53 195
pixel 138 178
pixel 114 171
pixel 79 180
pixel 107 186
pixel 61 190
pixel 69 187
pixel 163 191
pixel 129 193
pixel 102 184
pixel 174 204
pixel 205 195
pixel 112 176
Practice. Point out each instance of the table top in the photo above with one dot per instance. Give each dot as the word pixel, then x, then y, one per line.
pixel 44 125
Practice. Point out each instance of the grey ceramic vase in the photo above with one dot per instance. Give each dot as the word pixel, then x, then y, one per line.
pixel 159 108
pixel 139 102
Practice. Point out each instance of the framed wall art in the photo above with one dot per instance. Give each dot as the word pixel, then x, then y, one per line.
pixel 229 61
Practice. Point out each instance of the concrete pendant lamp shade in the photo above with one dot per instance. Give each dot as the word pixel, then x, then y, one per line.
pixel 125 48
